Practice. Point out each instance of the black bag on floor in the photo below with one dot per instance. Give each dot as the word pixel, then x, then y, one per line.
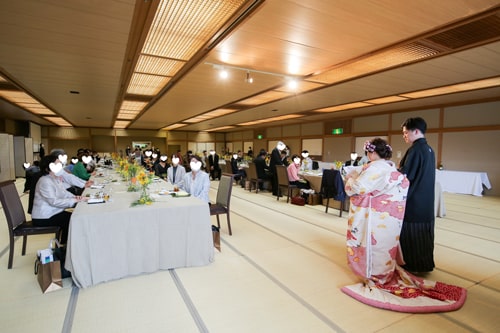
pixel 216 236
pixel 59 253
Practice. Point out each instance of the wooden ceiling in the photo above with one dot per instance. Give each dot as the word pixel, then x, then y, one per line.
pixel 51 47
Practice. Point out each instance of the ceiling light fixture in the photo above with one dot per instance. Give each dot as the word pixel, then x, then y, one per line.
pixel 292 83
pixel 223 73
pixel 248 78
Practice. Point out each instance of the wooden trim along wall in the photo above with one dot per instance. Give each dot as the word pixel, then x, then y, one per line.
pixel 465 137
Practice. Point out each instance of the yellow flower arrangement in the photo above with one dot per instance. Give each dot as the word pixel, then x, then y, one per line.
pixel 143 179
pixel 138 179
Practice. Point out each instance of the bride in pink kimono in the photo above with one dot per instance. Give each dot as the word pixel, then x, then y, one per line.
pixel 378 199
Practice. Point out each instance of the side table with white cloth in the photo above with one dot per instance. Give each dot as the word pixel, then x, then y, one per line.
pixel 314 178
pixel 113 240
pixel 463 182
pixel 439 207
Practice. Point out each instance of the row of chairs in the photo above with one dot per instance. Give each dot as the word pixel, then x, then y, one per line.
pixel 332 185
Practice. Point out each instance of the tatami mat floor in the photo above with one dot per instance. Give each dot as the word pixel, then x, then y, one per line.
pixel 280 271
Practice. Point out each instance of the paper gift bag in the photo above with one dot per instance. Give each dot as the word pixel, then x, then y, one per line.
pixel 313 199
pixel 49 275
pixel 216 236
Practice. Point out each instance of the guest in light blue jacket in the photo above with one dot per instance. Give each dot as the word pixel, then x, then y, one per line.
pixel 197 181
pixel 176 172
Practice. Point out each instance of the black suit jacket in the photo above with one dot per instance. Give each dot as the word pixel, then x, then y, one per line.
pixel 213 160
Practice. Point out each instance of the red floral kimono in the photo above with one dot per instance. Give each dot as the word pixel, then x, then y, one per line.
pixel 378 199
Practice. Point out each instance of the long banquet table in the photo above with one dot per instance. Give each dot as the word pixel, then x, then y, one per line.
pixel 463 182
pixel 113 240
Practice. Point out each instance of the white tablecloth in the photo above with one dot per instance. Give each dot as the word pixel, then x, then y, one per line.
pixel 463 182
pixel 439 207
pixel 113 240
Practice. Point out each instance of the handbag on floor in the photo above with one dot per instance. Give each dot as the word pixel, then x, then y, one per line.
pixel 299 201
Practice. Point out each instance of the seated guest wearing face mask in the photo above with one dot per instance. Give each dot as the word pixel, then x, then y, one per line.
pixel 307 163
pixel 239 173
pixel 353 161
pixel 176 172
pixel 51 197
pixel 197 181
pixel 293 174
pixel 161 167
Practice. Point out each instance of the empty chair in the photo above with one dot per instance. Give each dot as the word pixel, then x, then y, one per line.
pixel 16 218
pixel 222 203
pixel 283 182
pixel 332 186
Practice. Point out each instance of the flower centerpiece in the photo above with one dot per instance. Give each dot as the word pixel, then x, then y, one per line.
pixel 122 168
pixel 338 165
pixel 131 171
pixel 143 179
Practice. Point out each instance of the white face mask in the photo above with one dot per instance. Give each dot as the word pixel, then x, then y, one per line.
pixel 164 158
pixel 212 152
pixel 305 155
pixel 74 160
pixel 154 155
pixel 195 166
pixel 235 156
pixel 175 160
pixel 296 160
pixel 86 159
pixel 56 168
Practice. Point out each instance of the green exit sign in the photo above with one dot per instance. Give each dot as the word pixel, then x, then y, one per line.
pixel 260 136
pixel 337 131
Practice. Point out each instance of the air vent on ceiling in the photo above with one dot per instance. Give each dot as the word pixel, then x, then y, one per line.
pixel 480 31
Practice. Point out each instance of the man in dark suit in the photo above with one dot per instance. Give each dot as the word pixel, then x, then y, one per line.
pixel 353 161
pixel 276 159
pixel 213 162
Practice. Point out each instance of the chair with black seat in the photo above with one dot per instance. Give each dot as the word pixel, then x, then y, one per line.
pixel 253 178
pixel 16 219
pixel 223 201
pixel 283 182
pixel 332 186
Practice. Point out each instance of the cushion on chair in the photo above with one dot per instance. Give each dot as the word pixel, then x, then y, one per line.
pixel 27 228
pixel 217 209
